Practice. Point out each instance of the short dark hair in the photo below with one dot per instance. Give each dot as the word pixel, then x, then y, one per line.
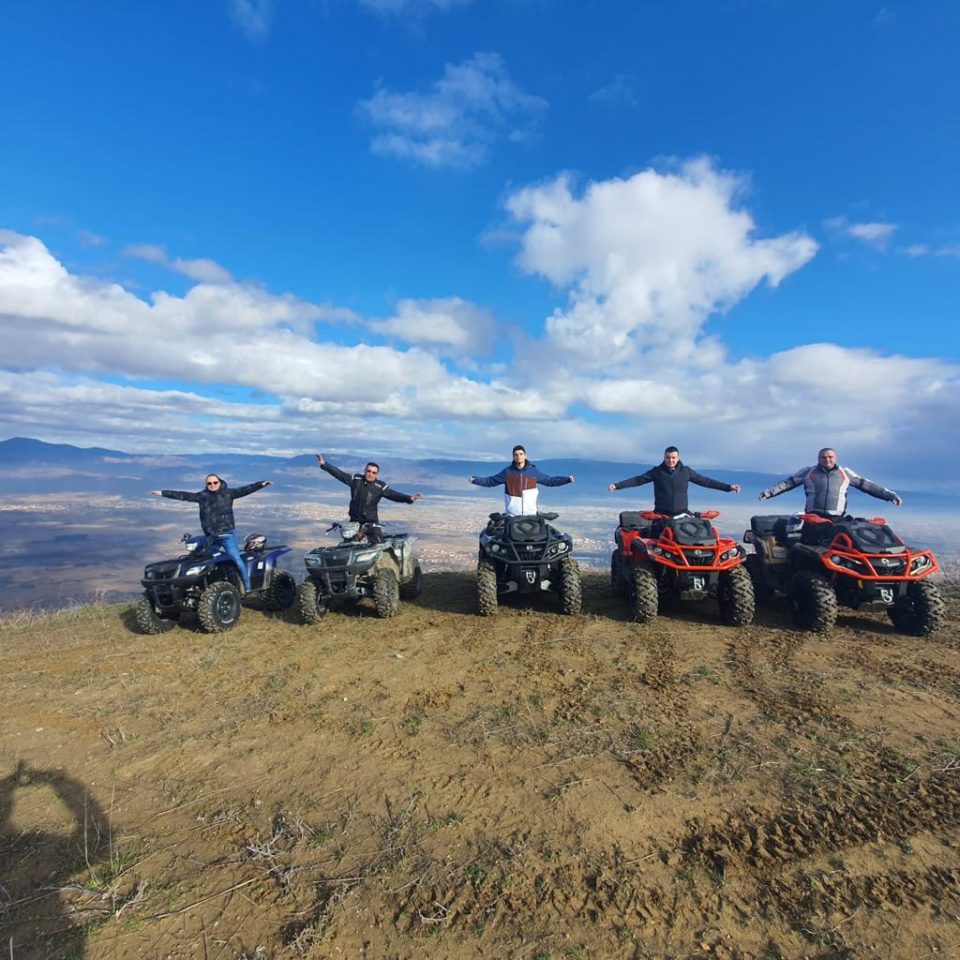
pixel 372 464
pixel 519 446
pixel 670 450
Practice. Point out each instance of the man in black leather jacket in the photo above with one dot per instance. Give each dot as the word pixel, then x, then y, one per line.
pixel 366 490
pixel 670 480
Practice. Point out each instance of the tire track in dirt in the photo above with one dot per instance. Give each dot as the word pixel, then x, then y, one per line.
pixel 923 673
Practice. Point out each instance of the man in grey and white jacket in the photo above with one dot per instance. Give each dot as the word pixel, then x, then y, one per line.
pixel 826 486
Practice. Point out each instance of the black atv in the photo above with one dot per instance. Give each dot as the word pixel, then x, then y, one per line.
pixel 205 581
pixel 526 555
pixel 365 563
pixel 820 563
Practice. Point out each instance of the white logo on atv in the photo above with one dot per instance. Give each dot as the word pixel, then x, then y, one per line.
pixel 697 583
pixel 531 576
pixel 886 594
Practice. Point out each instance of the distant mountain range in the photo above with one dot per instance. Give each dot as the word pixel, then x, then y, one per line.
pixel 33 466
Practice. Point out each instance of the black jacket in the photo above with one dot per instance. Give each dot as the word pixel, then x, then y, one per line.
pixel 670 486
pixel 216 506
pixel 365 494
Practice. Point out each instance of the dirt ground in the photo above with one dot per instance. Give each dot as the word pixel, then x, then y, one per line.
pixel 440 785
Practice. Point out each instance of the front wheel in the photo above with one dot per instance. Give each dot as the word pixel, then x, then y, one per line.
pixel 920 613
pixel 645 596
pixel 386 594
pixel 412 588
pixel 571 595
pixel 486 589
pixel 147 619
pixel 219 607
pixel 735 597
pixel 282 591
pixel 813 602
pixel 311 608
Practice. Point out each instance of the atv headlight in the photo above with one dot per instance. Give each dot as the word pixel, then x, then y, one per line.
pixel 556 550
pixel 848 563
pixel 919 563
pixel 730 554
pixel 196 570
pixel 312 561
pixel 365 555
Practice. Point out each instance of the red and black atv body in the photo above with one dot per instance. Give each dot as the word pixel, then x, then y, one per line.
pixel 820 562
pixel 662 556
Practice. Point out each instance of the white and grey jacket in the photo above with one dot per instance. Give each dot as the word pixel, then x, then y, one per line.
pixel 826 490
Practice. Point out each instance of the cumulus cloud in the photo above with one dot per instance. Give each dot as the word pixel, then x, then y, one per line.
pixel 454 122
pixel 253 17
pixel 450 325
pixel 646 260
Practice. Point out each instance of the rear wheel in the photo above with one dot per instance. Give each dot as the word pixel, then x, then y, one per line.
pixel 921 612
pixel 386 593
pixel 813 602
pixel 618 586
pixel 486 589
pixel 219 607
pixel 735 596
pixel 644 597
pixel 147 619
pixel 282 591
pixel 571 596
pixel 311 608
pixel 412 588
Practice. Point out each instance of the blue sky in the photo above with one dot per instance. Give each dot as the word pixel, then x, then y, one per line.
pixel 445 226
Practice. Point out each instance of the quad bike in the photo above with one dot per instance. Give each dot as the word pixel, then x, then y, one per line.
pixel 819 563
pixel 526 555
pixel 364 564
pixel 206 581
pixel 683 556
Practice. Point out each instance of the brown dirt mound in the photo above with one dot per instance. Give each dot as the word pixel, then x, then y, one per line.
pixel 441 785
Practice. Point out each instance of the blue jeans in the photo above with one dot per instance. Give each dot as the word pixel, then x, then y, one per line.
pixel 232 549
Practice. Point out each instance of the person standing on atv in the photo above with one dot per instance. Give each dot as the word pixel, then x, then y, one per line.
pixel 365 493
pixel 520 481
pixel 216 514
pixel 826 486
pixel 670 480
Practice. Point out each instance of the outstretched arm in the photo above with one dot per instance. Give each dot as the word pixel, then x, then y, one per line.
pixel 245 491
pixel 701 481
pixel 874 489
pixel 397 497
pixel 328 467
pixel 493 481
pixel 784 485
pixel 541 477
pixel 177 495
pixel 637 481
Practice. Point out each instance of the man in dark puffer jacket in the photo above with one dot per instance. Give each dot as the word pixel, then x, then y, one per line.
pixel 670 480
pixel 216 514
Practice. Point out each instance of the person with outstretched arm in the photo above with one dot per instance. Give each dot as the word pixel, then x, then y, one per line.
pixel 216 514
pixel 826 485
pixel 520 481
pixel 670 480
pixel 366 491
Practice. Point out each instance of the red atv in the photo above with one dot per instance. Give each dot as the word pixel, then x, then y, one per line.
pixel 662 556
pixel 819 562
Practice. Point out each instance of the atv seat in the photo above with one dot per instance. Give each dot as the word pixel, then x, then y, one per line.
pixel 784 529
pixel 633 520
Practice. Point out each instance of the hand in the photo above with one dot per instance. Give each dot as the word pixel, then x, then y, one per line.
pixel 267 483
pixel 570 478
pixel 415 497
pixel 763 495
pixel 734 487
pixel 156 493
pixel 897 501
pixel 611 487
pixel 320 458
pixel 471 479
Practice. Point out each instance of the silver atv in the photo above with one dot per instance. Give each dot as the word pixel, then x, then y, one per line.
pixel 365 563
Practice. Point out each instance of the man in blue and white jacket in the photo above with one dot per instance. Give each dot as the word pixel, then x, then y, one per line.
pixel 826 486
pixel 520 481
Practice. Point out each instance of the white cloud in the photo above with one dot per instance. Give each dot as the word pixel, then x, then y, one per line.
pixel 874 233
pixel 202 270
pixel 620 90
pixel 453 123
pixel 453 326
pixel 647 260
pixel 253 17
pixel 151 252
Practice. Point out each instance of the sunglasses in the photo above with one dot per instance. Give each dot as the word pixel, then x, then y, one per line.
pixel 213 483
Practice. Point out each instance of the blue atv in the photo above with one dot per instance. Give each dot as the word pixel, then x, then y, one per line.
pixel 206 582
